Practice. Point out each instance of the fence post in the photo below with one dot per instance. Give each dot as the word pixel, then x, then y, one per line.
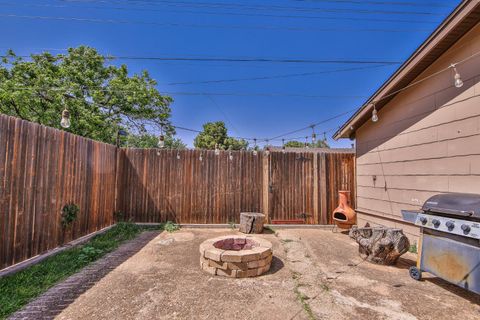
pixel 323 189
pixel 266 187
pixel 315 188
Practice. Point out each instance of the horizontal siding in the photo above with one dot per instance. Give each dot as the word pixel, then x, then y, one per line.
pixel 426 142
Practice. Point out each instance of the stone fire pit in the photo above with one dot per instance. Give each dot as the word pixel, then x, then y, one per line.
pixel 236 256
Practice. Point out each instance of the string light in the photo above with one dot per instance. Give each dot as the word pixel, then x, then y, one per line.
pixel 283 146
pixel 201 156
pixel 306 143
pixel 255 146
pixel 178 155
pixel 267 148
pixel 230 155
pixel 374 113
pixel 161 139
pixel 217 151
pixel 457 79
pixel 314 136
pixel 65 122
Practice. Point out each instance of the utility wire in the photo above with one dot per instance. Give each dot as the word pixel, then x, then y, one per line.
pixel 389 3
pixel 208 26
pixel 245 60
pixel 281 76
pixel 220 5
pixel 249 14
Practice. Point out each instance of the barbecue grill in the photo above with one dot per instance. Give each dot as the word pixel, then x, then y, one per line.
pixel 449 245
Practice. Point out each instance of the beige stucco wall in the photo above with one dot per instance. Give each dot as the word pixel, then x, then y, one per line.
pixel 427 141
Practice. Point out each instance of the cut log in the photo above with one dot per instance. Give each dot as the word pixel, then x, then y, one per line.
pixel 251 222
pixel 380 245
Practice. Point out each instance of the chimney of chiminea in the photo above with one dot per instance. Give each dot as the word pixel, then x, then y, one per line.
pixel 344 216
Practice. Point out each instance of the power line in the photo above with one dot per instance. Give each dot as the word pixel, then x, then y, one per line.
pixel 246 59
pixel 185 93
pixel 249 14
pixel 282 76
pixel 276 7
pixel 394 3
pixel 208 26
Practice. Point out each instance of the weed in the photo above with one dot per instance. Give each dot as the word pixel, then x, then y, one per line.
pixel 325 287
pixel 69 214
pixel 303 300
pixel 287 240
pixel 170 226
pixel 231 224
pixel 413 248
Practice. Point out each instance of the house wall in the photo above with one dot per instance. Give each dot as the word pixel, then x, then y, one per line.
pixel 427 141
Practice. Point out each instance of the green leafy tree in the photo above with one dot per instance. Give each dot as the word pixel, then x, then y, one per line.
pixel 101 98
pixel 151 141
pixel 216 133
pixel 298 144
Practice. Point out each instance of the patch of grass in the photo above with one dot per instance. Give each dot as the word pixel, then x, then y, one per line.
pixel 170 226
pixel 413 248
pixel 270 230
pixel 325 287
pixel 18 289
pixel 303 300
pixel 231 224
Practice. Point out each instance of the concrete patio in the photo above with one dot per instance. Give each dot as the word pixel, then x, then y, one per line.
pixel 316 274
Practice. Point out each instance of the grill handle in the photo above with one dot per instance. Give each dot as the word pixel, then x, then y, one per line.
pixel 450 212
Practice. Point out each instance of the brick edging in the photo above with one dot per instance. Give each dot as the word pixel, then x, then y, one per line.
pixel 56 299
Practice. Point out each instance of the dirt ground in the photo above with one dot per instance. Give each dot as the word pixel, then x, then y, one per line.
pixel 316 274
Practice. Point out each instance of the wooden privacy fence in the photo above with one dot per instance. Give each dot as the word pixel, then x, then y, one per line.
pixel 194 186
pixel 43 169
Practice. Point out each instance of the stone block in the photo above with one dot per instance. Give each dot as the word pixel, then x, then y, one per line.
pixel 237 265
pixel 219 265
pixel 232 256
pixel 207 268
pixel 214 254
pixel 227 273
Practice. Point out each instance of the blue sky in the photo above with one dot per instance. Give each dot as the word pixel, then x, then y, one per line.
pixel 372 30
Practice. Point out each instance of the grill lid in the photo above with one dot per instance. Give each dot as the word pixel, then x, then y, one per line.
pixel 454 204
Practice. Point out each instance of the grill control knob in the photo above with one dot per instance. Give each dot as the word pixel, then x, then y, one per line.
pixel 465 228
pixel 423 220
pixel 450 225
pixel 436 223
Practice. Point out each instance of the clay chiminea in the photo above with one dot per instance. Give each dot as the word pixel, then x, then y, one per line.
pixel 344 216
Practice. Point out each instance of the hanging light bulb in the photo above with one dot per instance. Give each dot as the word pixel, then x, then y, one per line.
pixel 306 143
pixel 314 136
pixel 65 122
pixel 230 155
pixel 267 148
pixel 374 114
pixel 325 136
pixel 283 146
pixel 217 151
pixel 457 79
pixel 201 156
pixel 178 155
pixel 161 141
pixel 255 147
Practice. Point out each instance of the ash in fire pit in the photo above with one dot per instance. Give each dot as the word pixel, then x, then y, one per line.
pixel 236 256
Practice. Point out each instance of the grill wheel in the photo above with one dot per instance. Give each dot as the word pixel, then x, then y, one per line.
pixel 415 273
